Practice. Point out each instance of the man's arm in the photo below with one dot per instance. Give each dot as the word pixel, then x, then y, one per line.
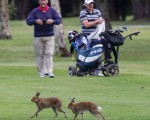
pixel 56 18
pixel 30 19
pixel 92 23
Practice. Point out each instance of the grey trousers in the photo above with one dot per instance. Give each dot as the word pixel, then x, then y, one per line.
pixel 44 50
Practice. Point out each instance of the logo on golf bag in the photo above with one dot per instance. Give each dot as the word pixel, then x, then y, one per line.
pixel 96 51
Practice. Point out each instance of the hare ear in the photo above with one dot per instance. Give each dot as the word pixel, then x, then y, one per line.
pixel 37 94
pixel 73 99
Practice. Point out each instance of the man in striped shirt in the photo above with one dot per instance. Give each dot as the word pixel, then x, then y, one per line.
pixel 90 17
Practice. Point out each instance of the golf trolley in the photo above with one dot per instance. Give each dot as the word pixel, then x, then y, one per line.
pixel 89 53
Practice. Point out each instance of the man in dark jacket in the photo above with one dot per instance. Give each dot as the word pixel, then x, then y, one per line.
pixel 44 18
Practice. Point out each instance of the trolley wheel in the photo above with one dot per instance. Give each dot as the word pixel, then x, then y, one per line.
pixel 72 71
pixel 112 70
pixel 79 73
pixel 104 70
pixel 104 73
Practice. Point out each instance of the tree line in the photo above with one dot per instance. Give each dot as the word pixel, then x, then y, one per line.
pixel 118 9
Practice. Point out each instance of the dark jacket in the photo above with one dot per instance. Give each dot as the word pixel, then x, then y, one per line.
pixel 43 30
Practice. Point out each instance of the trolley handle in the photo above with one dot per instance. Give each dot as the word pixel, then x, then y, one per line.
pixel 132 34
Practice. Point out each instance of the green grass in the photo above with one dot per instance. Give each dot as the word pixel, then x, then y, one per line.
pixel 125 97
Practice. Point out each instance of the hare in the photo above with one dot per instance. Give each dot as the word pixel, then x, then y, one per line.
pixel 42 103
pixel 81 107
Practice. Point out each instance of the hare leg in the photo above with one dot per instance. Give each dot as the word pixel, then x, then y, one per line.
pixel 75 116
pixel 54 109
pixel 36 113
pixel 95 113
pixel 82 116
pixel 60 110
pixel 98 117
pixel 102 115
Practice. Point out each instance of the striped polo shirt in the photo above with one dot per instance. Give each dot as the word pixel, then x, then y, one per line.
pixel 85 15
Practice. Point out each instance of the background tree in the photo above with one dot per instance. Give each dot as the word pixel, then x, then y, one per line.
pixel 59 32
pixel 119 9
pixel 22 8
pixel 141 9
pixel 112 6
pixel 4 20
pixel 70 8
pixel 102 5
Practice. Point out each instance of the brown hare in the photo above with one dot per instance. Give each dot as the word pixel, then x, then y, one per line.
pixel 81 107
pixel 42 103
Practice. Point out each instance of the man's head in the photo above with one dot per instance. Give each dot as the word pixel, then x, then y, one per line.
pixel 89 4
pixel 43 3
pixel 86 2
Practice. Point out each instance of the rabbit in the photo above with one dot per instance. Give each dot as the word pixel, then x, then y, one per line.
pixel 42 103
pixel 81 107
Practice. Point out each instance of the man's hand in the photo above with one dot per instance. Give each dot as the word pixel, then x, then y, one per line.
pixel 98 21
pixel 39 22
pixel 49 21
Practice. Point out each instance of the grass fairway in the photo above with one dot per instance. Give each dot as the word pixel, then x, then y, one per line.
pixel 125 97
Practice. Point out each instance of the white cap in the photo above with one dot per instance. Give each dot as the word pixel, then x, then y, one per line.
pixel 88 1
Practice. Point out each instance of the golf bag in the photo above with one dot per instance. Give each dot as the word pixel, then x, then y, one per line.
pixel 89 52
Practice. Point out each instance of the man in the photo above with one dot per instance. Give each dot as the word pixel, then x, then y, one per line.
pixel 90 18
pixel 44 18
